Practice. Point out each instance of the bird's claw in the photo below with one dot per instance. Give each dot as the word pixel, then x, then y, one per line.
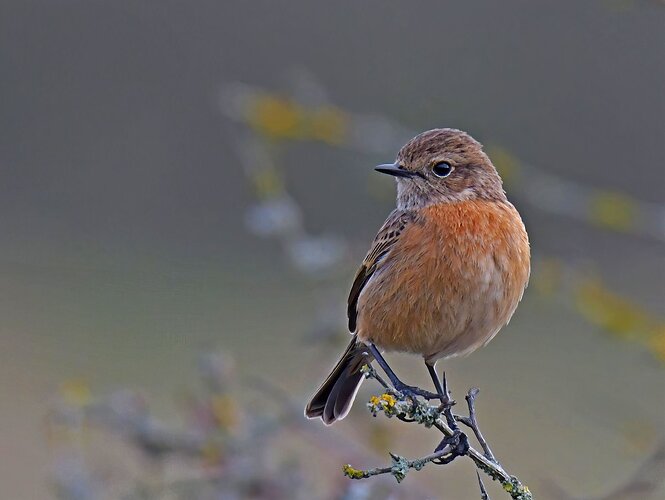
pixel 458 444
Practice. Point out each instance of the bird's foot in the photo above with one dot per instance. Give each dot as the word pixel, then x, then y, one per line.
pixel 458 444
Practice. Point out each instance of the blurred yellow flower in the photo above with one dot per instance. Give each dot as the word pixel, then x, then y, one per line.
pixel 613 210
pixel 328 124
pixel 75 392
pixel 211 453
pixel 267 183
pixel 224 410
pixel 276 117
pixel 620 317
pixel 547 280
pixel 610 311
pixel 657 344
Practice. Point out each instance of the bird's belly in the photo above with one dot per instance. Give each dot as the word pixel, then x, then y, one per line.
pixel 440 318
pixel 445 306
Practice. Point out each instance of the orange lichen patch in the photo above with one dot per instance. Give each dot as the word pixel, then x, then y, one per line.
pixel 384 401
pixel 388 399
pixel 352 473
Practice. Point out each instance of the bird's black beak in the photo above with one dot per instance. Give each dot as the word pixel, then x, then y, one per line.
pixel 394 169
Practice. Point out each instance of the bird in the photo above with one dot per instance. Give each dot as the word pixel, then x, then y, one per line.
pixel 444 273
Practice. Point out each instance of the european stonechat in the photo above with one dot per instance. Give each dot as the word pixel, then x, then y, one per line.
pixel 444 273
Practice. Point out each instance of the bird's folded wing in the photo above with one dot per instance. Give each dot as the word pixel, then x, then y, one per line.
pixel 387 236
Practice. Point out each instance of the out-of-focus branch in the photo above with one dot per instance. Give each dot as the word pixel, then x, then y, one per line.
pixel 392 403
pixel 642 484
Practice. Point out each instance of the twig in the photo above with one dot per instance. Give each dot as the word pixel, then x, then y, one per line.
pixel 471 422
pixel 483 491
pixel 493 469
pixel 399 467
pixel 409 409
pixel 369 372
pixel 448 404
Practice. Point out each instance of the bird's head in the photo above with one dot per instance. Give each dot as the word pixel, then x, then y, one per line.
pixel 443 166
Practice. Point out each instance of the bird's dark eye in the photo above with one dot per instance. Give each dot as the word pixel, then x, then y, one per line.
pixel 442 169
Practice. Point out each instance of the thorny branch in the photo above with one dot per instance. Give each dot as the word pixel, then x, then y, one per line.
pixel 471 422
pixel 399 468
pixel 410 409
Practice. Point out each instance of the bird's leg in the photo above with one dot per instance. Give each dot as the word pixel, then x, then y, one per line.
pixel 444 394
pixel 407 390
pixel 458 442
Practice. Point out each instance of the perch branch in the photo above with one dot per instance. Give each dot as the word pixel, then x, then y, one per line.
pixel 472 423
pixel 399 467
pixel 392 403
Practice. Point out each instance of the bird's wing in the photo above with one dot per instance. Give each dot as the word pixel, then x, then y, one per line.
pixel 385 239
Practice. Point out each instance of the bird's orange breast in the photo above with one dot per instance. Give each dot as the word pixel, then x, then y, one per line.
pixel 450 282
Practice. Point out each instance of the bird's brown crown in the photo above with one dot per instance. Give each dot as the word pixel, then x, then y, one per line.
pixel 446 165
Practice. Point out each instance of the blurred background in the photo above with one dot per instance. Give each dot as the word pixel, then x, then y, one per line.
pixel 186 189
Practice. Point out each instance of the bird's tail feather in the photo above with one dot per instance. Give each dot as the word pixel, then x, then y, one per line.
pixel 333 400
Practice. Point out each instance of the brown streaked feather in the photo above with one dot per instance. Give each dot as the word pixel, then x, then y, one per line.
pixel 385 239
